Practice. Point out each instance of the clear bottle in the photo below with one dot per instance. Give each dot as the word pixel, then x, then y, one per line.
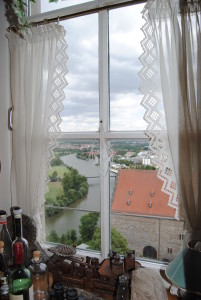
pixel 20 281
pixel 40 277
pixel 3 274
pixel 17 214
pixel 5 237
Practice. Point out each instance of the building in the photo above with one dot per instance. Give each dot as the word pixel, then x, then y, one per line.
pixel 140 211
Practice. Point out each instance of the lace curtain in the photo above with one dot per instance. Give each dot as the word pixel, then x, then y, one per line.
pixel 38 69
pixel 171 74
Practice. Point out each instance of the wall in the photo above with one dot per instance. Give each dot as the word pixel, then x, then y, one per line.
pixel 145 231
pixel 5 202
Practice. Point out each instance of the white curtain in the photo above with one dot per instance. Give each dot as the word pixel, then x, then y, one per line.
pixel 38 69
pixel 172 63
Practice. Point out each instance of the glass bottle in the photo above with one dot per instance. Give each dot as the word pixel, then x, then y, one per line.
pixel 5 237
pixel 17 213
pixel 3 274
pixel 123 288
pixel 20 281
pixel 40 277
pixel 129 260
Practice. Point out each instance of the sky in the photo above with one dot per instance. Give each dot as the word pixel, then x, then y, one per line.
pixel 81 105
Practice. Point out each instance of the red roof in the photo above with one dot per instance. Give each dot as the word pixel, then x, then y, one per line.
pixel 139 192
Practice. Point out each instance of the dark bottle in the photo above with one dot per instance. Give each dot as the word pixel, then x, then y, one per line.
pixel 17 214
pixel 123 289
pixel 129 261
pixel 117 265
pixel 58 292
pixel 3 274
pixel 40 277
pixel 20 281
pixel 5 237
pixel 71 294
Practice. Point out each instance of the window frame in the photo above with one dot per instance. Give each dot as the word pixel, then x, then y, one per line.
pixel 104 134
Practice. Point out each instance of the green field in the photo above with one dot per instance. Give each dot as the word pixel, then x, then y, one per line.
pixel 55 189
pixel 59 169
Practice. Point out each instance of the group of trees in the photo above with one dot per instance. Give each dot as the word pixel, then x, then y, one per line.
pixel 90 234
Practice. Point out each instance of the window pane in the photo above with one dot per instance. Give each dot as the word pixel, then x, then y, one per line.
pixel 81 106
pixel 73 227
pixel 140 214
pixel 126 113
pixel 74 190
pixel 43 6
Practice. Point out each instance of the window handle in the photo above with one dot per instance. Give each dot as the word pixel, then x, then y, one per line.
pixel 10 118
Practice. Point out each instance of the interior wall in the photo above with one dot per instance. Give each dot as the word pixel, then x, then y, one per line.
pixel 5 199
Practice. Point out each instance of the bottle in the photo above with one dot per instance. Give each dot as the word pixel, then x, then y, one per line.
pixel 3 274
pixel 58 292
pixel 17 213
pixel 129 260
pixel 20 281
pixel 5 237
pixel 123 289
pixel 40 277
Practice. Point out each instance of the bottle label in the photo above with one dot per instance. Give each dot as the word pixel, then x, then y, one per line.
pixel 21 297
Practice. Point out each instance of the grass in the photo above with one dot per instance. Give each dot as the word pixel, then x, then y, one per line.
pixel 59 169
pixel 55 189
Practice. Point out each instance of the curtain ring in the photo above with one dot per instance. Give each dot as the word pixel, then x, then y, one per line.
pixel 58 20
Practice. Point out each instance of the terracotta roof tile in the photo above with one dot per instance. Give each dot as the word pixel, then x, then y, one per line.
pixel 142 183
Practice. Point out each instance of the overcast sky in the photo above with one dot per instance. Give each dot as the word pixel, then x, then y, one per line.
pixel 81 110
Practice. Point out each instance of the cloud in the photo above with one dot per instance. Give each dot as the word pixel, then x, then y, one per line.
pixel 81 106
pixel 127 113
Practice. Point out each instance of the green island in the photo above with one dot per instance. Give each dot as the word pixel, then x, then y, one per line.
pixel 66 186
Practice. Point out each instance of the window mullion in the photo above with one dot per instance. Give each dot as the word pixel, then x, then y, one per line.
pixel 104 122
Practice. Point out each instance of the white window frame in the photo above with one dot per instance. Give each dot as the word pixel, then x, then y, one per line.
pixel 104 135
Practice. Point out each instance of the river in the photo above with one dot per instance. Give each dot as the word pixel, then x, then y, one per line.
pixel 68 219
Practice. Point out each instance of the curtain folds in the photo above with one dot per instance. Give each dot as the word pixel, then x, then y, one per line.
pixel 38 69
pixel 171 74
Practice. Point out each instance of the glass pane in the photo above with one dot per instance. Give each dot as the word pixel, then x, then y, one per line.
pixel 45 5
pixel 125 36
pixel 71 227
pixel 74 189
pixel 140 215
pixel 81 105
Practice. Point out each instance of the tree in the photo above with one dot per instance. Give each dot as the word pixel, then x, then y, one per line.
pixel 53 236
pixel 118 242
pixel 56 161
pixel 88 226
pixel 53 177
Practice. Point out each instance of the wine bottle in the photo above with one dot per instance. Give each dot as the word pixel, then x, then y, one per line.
pixel 20 281
pixel 3 274
pixel 40 277
pixel 5 237
pixel 17 213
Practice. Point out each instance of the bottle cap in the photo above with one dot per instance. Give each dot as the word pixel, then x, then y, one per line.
pixel 17 210
pixel 72 294
pixel 2 212
pixel 36 255
pixel 3 217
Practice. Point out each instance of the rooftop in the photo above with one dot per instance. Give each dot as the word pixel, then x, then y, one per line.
pixel 139 192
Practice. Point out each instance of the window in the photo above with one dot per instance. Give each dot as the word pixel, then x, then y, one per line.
pixel 104 192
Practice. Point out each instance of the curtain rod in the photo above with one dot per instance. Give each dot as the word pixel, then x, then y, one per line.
pixel 86 12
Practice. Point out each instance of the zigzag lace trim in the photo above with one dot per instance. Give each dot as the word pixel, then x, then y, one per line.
pixel 155 130
pixel 56 106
